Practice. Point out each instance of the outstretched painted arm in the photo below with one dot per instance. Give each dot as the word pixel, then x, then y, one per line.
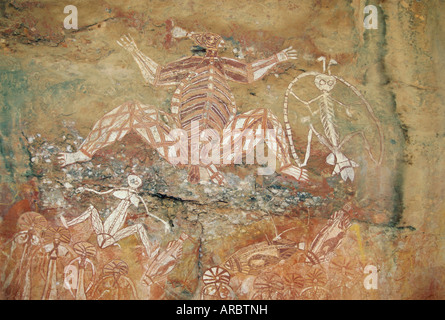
pixel 148 66
pixel 239 71
pixel 169 75
pixel 82 189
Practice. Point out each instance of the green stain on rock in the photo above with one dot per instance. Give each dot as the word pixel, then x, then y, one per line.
pixel 14 90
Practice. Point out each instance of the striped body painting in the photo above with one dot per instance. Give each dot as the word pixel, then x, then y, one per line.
pixel 202 107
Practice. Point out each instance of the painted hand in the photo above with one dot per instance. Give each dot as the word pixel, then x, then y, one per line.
pixel 127 42
pixel 287 54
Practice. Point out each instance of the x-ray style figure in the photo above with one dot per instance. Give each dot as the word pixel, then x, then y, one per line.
pixel 202 101
pixel 330 137
pixel 111 230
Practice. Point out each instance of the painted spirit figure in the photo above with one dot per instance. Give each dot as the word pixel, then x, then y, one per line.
pixel 328 110
pixel 203 97
pixel 57 240
pixel 114 283
pixel 111 230
pixel 75 272
pixel 17 284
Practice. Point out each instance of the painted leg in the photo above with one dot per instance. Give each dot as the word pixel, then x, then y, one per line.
pixel 92 213
pixel 248 124
pixel 140 230
pixel 342 165
pixel 80 293
pixel 113 126
pixel 96 221
pixel 154 127
pixel 110 128
pixel 50 289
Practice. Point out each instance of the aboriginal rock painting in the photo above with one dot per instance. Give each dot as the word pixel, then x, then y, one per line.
pixel 163 152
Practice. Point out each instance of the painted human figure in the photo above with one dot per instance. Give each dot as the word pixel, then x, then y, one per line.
pixel 114 283
pixel 17 285
pixel 330 135
pixel 57 248
pixel 202 101
pixel 75 271
pixel 111 230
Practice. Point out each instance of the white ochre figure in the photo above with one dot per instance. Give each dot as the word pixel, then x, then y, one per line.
pixel 111 230
pixel 202 102
pixel 328 116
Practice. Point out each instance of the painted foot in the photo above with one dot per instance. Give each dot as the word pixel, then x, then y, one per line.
pixel 343 166
pixel 297 173
pixel 345 169
pixel 66 158
pixel 219 179
pixel 216 176
pixel 64 224
pixel 347 173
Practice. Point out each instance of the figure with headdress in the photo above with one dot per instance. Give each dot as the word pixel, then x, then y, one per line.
pixel 202 106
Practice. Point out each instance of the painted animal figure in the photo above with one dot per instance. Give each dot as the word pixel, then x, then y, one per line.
pixel 257 257
pixel 202 106
pixel 329 238
pixel 161 263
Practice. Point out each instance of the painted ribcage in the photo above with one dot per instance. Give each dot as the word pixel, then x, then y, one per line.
pixel 204 96
pixel 328 119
